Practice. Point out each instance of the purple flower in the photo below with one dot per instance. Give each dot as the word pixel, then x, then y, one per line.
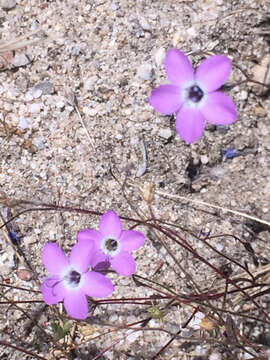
pixel 193 96
pixel 112 244
pixel 71 281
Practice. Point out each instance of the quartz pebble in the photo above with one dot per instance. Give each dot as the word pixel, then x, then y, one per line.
pixel 145 71
pixel 60 104
pixel 24 123
pixel 20 60
pixel 35 108
pixel 160 56
pixel 144 24
pixel 37 93
pixel 7 4
pixel 165 133
pixel 204 159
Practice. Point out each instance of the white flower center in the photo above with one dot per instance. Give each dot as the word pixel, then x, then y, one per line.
pixel 110 246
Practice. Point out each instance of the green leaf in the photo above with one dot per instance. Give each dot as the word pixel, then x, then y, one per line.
pixel 67 326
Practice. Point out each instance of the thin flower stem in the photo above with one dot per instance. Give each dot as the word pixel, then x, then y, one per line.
pixel 194 252
pixel 155 297
pixel 224 255
pixel 22 302
pixel 13 303
pixel 176 334
pixel 4 343
pixel 111 346
pixel 19 288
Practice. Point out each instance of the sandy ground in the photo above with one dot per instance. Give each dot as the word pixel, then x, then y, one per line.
pixel 75 127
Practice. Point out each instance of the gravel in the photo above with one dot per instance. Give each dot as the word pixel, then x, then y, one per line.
pixel 97 66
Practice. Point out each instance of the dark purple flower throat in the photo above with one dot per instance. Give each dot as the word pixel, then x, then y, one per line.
pixel 195 93
pixel 74 277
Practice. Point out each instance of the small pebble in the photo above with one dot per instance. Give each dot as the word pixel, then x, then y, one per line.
pixel 60 104
pixel 145 71
pixel 259 111
pixel 20 60
pixel 243 95
pixel 165 133
pixel 29 96
pixel 39 143
pixel 46 87
pixel 7 4
pixel 215 356
pixel 144 24
pixel 222 129
pixel 204 159
pixel 35 108
pixel 160 56
pixel 24 123
pixel 37 93
pixel 24 274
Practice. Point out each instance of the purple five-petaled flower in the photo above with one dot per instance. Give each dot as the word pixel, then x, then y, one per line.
pixel 112 244
pixel 193 94
pixel 70 280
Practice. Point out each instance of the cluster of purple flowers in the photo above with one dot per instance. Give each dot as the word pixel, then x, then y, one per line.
pixel 72 279
pixel 194 97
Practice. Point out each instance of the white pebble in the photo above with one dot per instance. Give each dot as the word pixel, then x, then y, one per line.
pixel 160 56
pixel 39 143
pixel 7 4
pixel 145 71
pixel 219 247
pixel 144 24
pixel 60 104
pixel 204 159
pixel 165 133
pixel 215 356
pixel 20 59
pixel 37 93
pixel 24 123
pixel 35 108
pixel 29 96
pixel 92 112
pixel 243 95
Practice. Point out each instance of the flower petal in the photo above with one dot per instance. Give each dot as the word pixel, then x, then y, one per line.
pixel 99 257
pixel 178 67
pixel 219 109
pixel 166 99
pixel 53 290
pixel 54 259
pixel 110 224
pixel 131 240
pixel 190 124
pixel 81 255
pixel 213 72
pixel 90 235
pixel 76 304
pixel 97 285
pixel 123 263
